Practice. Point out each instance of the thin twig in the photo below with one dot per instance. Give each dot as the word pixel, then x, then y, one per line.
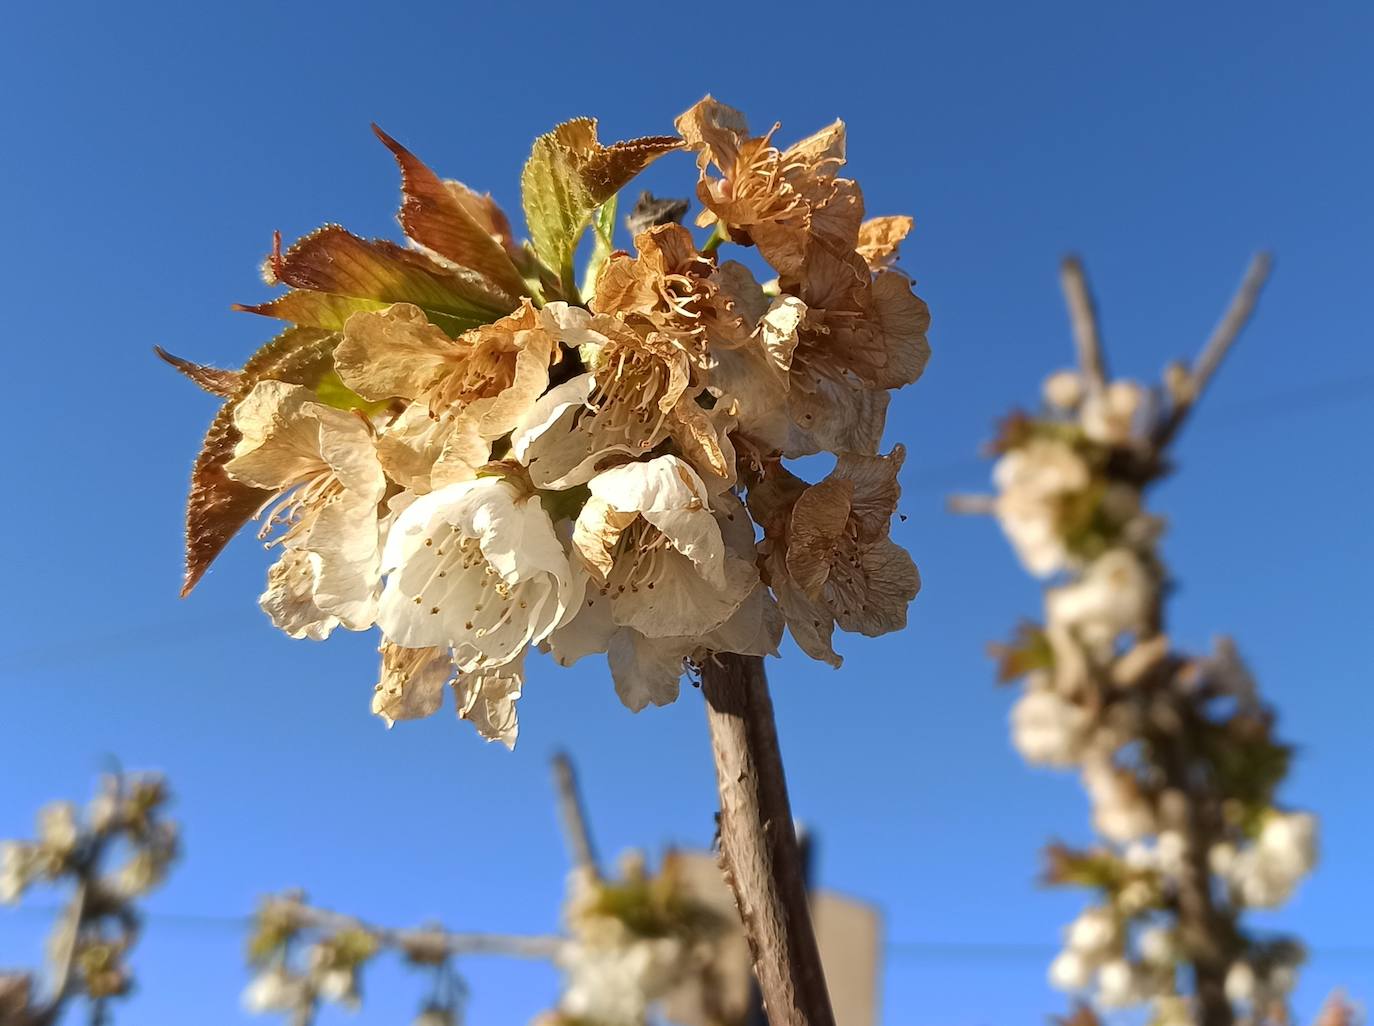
pixel 1223 336
pixel 66 968
pixel 758 843
pixel 425 942
pixel 1087 335
pixel 573 816
pixel 972 505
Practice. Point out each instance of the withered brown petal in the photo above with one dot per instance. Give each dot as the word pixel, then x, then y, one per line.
pixel 714 128
pixel 215 380
pixel 217 505
pixel 880 237
pixel 876 491
pixel 818 525
pixel 433 216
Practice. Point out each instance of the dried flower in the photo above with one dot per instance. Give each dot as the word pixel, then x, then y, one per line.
pixel 481 451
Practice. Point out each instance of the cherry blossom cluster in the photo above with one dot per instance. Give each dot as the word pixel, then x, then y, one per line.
pixel 1176 752
pixel 469 445
pixel 109 857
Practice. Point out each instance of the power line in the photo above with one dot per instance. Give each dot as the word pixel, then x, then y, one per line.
pixel 929 950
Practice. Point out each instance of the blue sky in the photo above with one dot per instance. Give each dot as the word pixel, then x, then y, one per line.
pixel 151 150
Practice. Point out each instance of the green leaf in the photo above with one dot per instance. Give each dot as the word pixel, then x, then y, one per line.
pixel 331 391
pixel 569 174
pixel 603 224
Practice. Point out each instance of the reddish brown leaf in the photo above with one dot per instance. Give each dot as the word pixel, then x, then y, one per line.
pixel 214 380
pixel 348 274
pixel 218 506
pixel 434 216
pixel 609 169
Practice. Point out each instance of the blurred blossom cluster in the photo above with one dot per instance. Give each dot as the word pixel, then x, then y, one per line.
pixel 630 943
pixel 467 444
pixel 298 967
pixel 1176 752
pixel 633 942
pixel 109 856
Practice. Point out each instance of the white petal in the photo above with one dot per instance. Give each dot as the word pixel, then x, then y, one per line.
pixel 487 699
pixel 345 540
pixel 646 671
pixel 290 597
pixel 589 631
pixel 682 603
pixel 412 682
pixel 546 412
pixel 660 485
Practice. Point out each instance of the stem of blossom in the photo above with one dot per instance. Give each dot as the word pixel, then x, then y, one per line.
pixel 758 843
pixel 1223 336
pixel 713 243
pixel 1083 316
pixel 573 816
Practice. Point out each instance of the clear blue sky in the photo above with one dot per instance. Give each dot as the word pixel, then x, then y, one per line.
pixel 149 152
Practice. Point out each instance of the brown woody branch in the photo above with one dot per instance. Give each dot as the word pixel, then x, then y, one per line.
pixel 758 843
pixel 1223 337
pixel 1087 332
pixel 573 816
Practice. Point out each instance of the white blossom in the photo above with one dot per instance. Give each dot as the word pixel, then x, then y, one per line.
pixel 665 575
pixel 1094 933
pixel 275 990
pixel 1112 415
pixel 475 566
pixel 1031 481
pixel 1114 595
pixel 57 829
pixel 1063 389
pixel 1120 811
pixel 1047 729
pixel 320 464
pixel 1241 983
pixel 17 868
pixel 1266 873
pixel 1117 984
pixel 615 985
pixel 1070 971
pixel 1157 945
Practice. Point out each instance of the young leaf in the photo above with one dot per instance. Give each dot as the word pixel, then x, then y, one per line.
pixel 217 505
pixel 433 213
pixel 569 174
pixel 336 274
pixel 215 380
pixel 603 225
